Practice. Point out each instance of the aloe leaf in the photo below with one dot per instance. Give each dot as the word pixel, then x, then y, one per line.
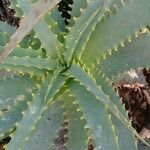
pixel 56 85
pixel 30 117
pixel 80 28
pixel 97 117
pixel 3 38
pixel 35 14
pixel 55 20
pixel 43 32
pixel 91 27
pixel 107 88
pixel 120 24
pixel 26 42
pixel 13 115
pixel 23 85
pixel 125 138
pixel 56 15
pixel 133 55
pixel 36 108
pixel 89 82
pixel 36 43
pixel 23 70
pixel 80 75
pixel 28 39
pixel 5 32
pixel 48 39
pixel 6 28
pixel 40 63
pixel 46 129
pixel 77 135
pixel 14 6
pixel 19 51
pixel 55 24
pixel 22 52
pixel 76 7
pixel 12 103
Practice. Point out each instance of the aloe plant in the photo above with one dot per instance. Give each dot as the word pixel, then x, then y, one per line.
pixel 56 73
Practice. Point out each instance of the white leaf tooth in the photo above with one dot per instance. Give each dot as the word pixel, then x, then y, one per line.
pixel 129 39
pixel 81 10
pixel 122 43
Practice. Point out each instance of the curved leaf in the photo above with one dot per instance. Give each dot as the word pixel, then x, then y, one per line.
pixel 81 26
pixel 107 88
pixel 115 28
pixel 30 117
pixel 77 134
pixel 97 118
pixel 21 69
pixel 40 63
pixel 43 32
pixel 45 94
pixel 46 129
pixel 125 138
pixel 76 7
pixel 133 55
pixel 14 100
pixel 35 14
pixel 6 28
pixel 80 75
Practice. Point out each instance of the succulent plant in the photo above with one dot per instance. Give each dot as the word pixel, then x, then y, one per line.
pixel 59 76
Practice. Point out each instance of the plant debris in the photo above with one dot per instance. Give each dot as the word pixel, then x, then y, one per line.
pixel 136 97
pixel 8 14
pixel 3 142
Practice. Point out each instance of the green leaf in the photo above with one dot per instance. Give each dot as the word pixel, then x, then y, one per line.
pixel 22 52
pixel 43 32
pixel 36 44
pixel 97 117
pixel 91 27
pixel 77 134
pixel 125 138
pixel 56 21
pixel 14 6
pixel 80 75
pixel 56 15
pixel 107 88
pixel 14 100
pixel 35 14
pixel 133 55
pixel 36 108
pixel 5 32
pixel 6 28
pixel 48 39
pixel 40 63
pixel 13 115
pixel 3 38
pixel 46 129
pixel 115 28
pixel 21 69
pixel 89 82
pixel 77 6
pixel 26 42
pixel 56 85
pixel 30 117
pixel 23 85
pixel 84 24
